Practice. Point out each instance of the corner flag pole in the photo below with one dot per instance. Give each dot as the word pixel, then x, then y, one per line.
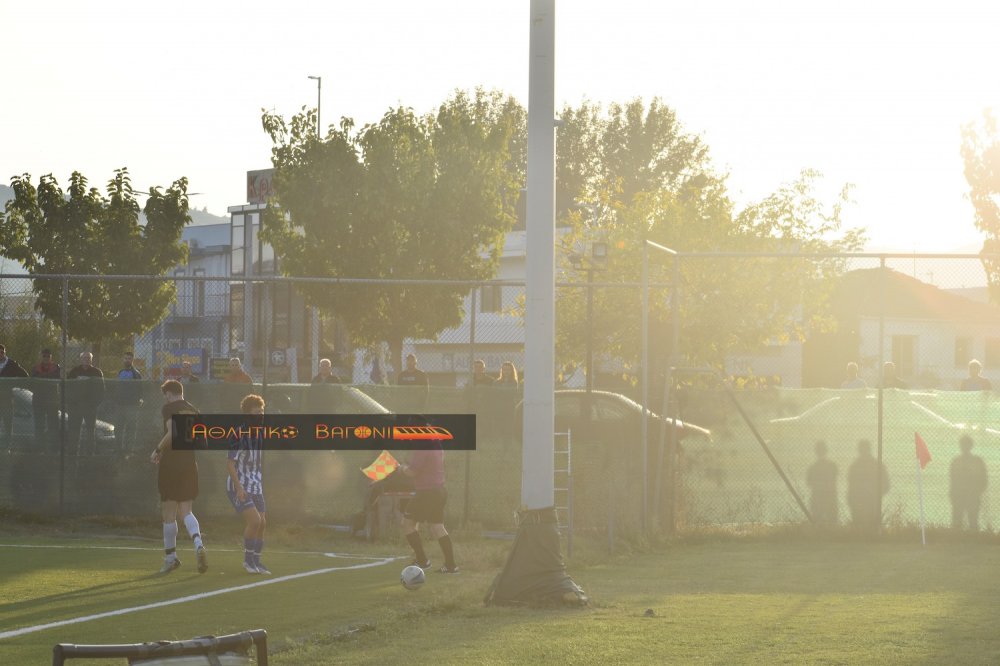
pixel 923 457
pixel 920 494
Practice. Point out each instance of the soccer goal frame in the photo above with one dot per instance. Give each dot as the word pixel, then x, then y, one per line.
pixel 210 646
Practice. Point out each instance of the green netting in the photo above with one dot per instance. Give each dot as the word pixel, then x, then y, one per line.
pixel 721 481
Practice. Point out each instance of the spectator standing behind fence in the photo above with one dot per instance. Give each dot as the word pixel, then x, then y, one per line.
pixel 416 378
pixel 187 377
pixel 326 375
pixel 508 379
pixel 377 376
pixel 822 480
pixel 968 480
pixel 45 399
pixel 864 477
pixel 853 381
pixel 9 369
pixel 975 381
pixel 128 402
pixel 508 374
pixel 889 377
pixel 237 375
pixel 85 394
pixel 479 376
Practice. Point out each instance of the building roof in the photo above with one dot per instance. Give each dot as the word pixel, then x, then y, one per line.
pixel 861 294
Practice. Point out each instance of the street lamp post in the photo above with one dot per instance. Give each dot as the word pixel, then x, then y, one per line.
pixel 313 315
pixel 319 102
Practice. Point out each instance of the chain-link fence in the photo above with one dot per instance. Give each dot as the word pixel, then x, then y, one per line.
pixel 754 349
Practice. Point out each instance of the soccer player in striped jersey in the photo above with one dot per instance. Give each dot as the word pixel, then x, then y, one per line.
pixel 245 489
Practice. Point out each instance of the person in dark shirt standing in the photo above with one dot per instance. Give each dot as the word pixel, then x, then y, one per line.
pixel 187 377
pixel 822 480
pixel 479 376
pixel 865 478
pixel 416 378
pixel 128 403
pixel 326 375
pixel 86 393
pixel 9 369
pixel 508 375
pixel 967 483
pixel 889 377
pixel 975 381
pixel 45 399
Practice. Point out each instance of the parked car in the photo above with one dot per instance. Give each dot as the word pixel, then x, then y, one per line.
pixel 608 417
pixel 849 417
pixel 24 420
pixel 322 399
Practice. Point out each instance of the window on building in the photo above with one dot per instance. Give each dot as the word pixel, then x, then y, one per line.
pixel 992 359
pixel 963 352
pixel 490 298
pixel 255 246
pixel 904 348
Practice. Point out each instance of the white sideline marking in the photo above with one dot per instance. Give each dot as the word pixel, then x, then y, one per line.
pixel 211 550
pixel 192 597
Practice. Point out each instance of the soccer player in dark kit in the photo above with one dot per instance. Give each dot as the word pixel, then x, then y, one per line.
pixel 178 482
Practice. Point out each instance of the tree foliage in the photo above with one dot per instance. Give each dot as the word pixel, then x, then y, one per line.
pixel 639 176
pixel 83 232
pixel 409 197
pixel 981 154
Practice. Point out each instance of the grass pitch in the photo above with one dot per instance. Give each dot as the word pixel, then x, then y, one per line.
pixel 788 599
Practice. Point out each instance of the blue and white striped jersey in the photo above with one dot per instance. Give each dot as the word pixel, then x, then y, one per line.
pixel 249 458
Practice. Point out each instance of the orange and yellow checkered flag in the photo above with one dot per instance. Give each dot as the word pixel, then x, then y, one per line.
pixel 383 466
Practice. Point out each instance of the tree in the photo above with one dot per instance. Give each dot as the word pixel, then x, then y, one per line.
pixel 981 154
pixel 409 197
pixel 643 178
pixel 82 232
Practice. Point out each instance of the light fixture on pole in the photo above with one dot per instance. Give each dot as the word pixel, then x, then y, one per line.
pixel 319 101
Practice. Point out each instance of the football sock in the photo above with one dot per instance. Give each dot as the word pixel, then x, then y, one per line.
pixel 170 538
pixel 191 523
pixel 413 538
pixel 449 554
pixel 258 548
pixel 248 550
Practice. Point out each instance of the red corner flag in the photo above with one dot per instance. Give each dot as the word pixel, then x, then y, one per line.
pixel 923 453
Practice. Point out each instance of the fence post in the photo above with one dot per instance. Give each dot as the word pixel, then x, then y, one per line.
pixel 881 363
pixel 266 315
pixel 475 402
pixel 63 417
pixel 675 337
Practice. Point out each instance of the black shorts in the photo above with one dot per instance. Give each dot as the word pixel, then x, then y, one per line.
pixel 178 478
pixel 427 506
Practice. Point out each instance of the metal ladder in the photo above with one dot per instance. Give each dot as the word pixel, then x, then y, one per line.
pixel 563 486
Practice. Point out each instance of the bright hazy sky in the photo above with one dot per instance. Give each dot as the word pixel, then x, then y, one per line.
pixel 868 92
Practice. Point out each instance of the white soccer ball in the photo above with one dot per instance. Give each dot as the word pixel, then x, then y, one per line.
pixel 412 577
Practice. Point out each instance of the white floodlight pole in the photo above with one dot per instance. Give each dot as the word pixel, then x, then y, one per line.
pixel 537 482
pixel 644 426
